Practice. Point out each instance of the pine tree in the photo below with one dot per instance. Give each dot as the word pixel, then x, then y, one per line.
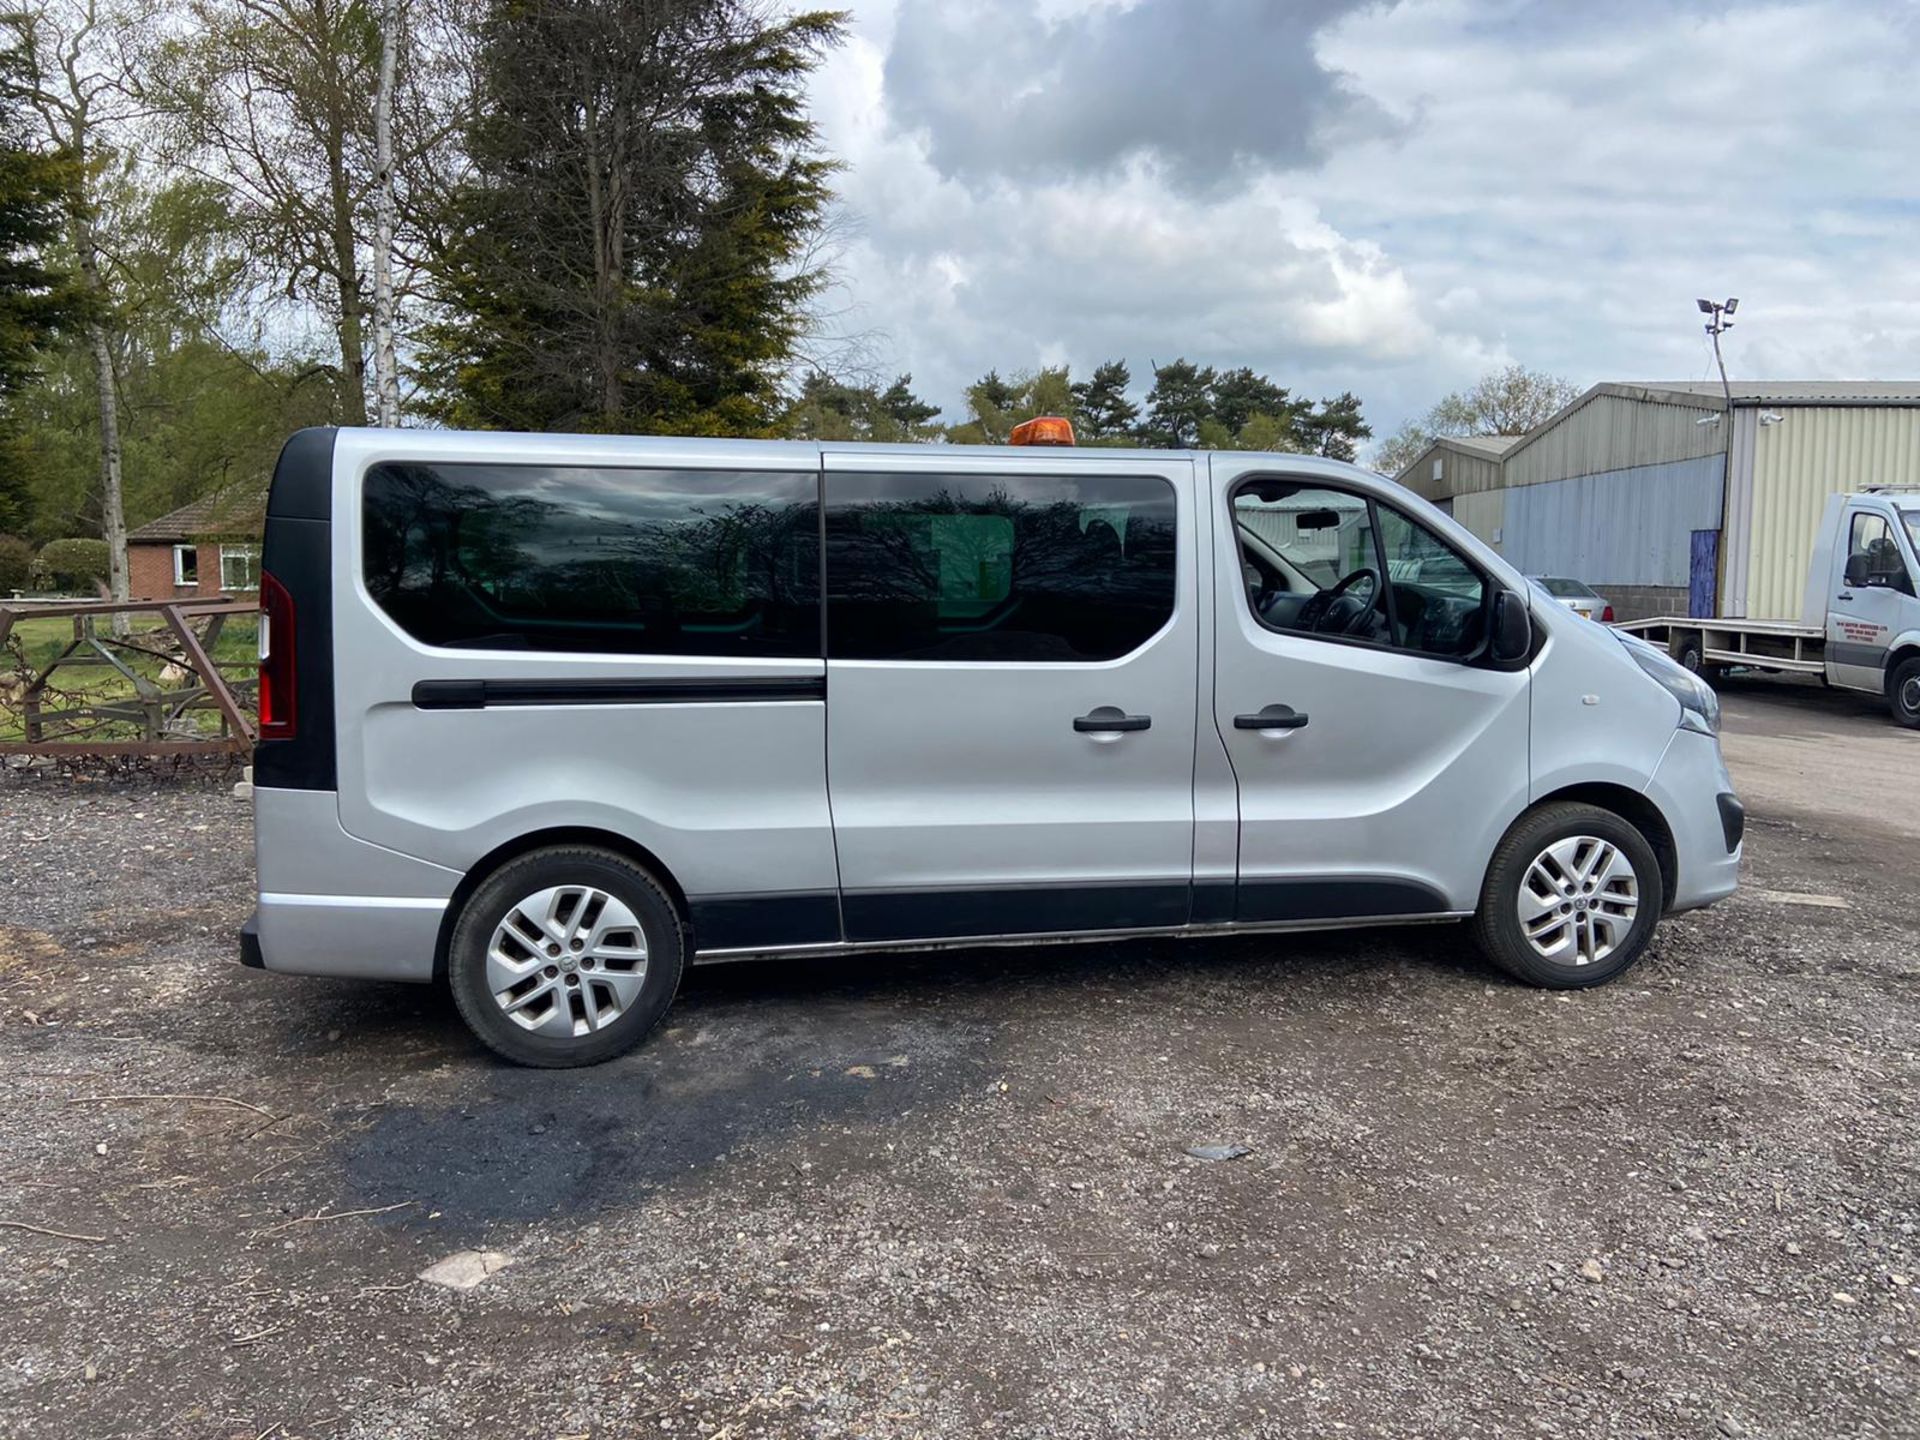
pixel 1181 399
pixel 1335 428
pixel 1105 411
pixel 630 252
pixel 38 299
pixel 830 409
pixel 996 405
pixel 907 410
pixel 1239 395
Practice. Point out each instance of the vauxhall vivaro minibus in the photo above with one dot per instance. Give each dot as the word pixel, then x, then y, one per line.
pixel 547 718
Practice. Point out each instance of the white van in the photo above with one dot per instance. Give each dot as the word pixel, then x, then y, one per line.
pixel 547 718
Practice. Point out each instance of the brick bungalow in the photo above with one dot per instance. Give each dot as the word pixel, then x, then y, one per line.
pixel 208 548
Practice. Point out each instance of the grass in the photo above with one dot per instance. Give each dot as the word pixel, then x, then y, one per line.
pixel 87 678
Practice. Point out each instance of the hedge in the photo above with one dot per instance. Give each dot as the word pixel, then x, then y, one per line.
pixel 77 564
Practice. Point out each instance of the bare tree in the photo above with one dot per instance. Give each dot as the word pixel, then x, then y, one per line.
pixel 84 79
pixel 386 371
pixel 1507 402
pixel 302 110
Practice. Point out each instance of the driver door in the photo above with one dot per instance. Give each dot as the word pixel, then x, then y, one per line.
pixel 1864 615
pixel 1405 756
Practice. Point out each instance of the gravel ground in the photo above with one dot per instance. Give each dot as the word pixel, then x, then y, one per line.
pixel 950 1196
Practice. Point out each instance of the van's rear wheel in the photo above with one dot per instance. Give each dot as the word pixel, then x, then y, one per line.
pixel 565 956
pixel 1571 898
pixel 1903 692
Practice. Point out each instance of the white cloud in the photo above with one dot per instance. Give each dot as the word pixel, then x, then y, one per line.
pixel 1555 186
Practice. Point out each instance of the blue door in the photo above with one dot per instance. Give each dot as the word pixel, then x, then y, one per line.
pixel 1702 573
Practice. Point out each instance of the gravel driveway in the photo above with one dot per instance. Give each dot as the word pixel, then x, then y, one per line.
pixel 951 1195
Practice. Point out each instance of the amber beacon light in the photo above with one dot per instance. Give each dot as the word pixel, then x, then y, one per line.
pixel 1043 430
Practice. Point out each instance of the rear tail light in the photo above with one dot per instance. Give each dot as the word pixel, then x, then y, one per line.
pixel 1606 616
pixel 276 660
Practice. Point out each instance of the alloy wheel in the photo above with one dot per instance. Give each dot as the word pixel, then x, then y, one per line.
pixel 568 960
pixel 1578 901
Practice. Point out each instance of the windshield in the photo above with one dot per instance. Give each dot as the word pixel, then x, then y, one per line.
pixel 1910 516
pixel 1564 589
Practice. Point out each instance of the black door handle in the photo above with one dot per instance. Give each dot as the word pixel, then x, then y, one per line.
pixel 1273 717
pixel 1105 719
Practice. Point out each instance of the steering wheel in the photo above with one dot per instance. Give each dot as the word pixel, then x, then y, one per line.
pixel 1335 611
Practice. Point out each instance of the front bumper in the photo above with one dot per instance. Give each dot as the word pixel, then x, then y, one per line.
pixel 1695 793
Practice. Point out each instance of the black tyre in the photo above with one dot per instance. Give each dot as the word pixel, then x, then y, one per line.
pixel 1691 651
pixel 1571 897
pixel 566 956
pixel 1903 692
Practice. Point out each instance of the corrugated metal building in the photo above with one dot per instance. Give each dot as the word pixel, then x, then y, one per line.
pixel 1630 487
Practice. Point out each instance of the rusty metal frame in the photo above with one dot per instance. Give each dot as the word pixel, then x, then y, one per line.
pixel 153 708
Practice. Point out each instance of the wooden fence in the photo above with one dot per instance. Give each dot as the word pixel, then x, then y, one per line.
pixel 163 692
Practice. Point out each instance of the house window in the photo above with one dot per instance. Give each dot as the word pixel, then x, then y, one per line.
pixel 186 565
pixel 239 567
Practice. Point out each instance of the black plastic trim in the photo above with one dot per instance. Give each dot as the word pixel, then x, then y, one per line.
pixel 1314 897
pixel 878 915
pixel 1212 902
pixel 780 921
pixel 1868 657
pixel 747 922
pixel 1271 717
pixel 1733 819
pixel 250 955
pixel 1114 724
pixel 613 690
pixel 303 477
pixel 298 552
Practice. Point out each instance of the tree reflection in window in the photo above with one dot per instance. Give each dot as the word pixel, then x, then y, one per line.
pixel 574 558
pixel 956 568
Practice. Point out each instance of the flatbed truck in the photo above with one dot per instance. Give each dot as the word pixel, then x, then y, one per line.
pixel 1859 625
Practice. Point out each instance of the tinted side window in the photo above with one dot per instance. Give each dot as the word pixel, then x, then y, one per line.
pixel 963 567
pixel 575 558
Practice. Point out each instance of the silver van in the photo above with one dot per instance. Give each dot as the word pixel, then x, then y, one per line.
pixel 547 718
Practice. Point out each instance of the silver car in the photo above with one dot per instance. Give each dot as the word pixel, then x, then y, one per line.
pixel 1582 599
pixel 545 719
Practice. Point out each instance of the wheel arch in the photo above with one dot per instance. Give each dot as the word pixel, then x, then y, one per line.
pixel 1906 648
pixel 478 872
pixel 1633 807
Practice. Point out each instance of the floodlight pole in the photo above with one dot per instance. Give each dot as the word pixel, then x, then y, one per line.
pixel 1717 325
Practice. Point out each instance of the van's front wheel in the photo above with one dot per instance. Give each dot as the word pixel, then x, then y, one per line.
pixel 1903 692
pixel 1571 897
pixel 565 956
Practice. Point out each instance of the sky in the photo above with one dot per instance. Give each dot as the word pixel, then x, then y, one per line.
pixel 1389 198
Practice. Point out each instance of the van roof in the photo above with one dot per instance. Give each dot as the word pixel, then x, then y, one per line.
pixel 523 445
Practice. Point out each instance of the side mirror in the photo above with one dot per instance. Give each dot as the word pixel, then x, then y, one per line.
pixel 1856 571
pixel 1512 628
